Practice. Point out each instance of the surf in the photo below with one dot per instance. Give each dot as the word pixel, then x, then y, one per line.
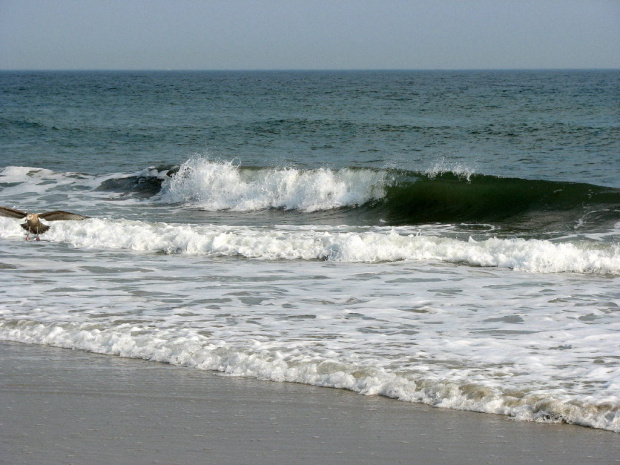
pixel 216 186
pixel 396 197
pixel 190 348
pixel 349 196
pixel 335 244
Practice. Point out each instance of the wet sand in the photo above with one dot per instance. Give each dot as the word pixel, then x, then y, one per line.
pixel 60 407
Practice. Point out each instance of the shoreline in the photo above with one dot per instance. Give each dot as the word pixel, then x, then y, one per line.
pixel 61 406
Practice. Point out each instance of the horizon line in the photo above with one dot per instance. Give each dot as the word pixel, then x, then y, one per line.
pixel 290 69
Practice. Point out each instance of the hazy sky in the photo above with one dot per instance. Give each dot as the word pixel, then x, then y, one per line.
pixel 309 34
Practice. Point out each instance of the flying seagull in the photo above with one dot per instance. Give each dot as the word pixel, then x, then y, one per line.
pixel 33 224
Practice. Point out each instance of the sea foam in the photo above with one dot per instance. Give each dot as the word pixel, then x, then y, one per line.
pixel 359 245
pixel 186 348
pixel 225 186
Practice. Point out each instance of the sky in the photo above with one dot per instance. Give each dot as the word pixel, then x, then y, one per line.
pixel 308 34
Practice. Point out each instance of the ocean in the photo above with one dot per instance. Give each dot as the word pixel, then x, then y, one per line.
pixel 447 238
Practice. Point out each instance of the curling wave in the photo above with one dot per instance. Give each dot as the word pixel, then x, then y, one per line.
pixel 398 197
pixel 226 186
pixel 349 195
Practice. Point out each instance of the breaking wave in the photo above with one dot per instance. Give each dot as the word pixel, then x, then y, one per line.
pixel 401 197
pixel 358 245
pixel 225 186
pixel 366 195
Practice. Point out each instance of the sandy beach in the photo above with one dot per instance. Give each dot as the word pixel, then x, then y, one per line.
pixel 70 407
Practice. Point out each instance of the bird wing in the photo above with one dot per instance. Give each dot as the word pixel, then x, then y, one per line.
pixel 60 215
pixel 11 213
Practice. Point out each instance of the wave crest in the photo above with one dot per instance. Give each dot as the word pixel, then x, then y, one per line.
pixel 363 245
pixel 225 186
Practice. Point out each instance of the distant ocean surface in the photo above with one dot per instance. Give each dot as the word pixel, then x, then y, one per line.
pixel 450 238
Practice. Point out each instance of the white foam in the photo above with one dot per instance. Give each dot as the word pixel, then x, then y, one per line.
pixel 40 180
pixel 487 339
pixel 224 186
pixel 187 348
pixel 22 173
pixel 354 245
pixel 20 181
pixel 445 166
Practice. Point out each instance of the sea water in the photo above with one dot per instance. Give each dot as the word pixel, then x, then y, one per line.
pixel 451 238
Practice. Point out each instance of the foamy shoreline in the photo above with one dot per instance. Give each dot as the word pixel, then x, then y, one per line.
pixel 61 406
